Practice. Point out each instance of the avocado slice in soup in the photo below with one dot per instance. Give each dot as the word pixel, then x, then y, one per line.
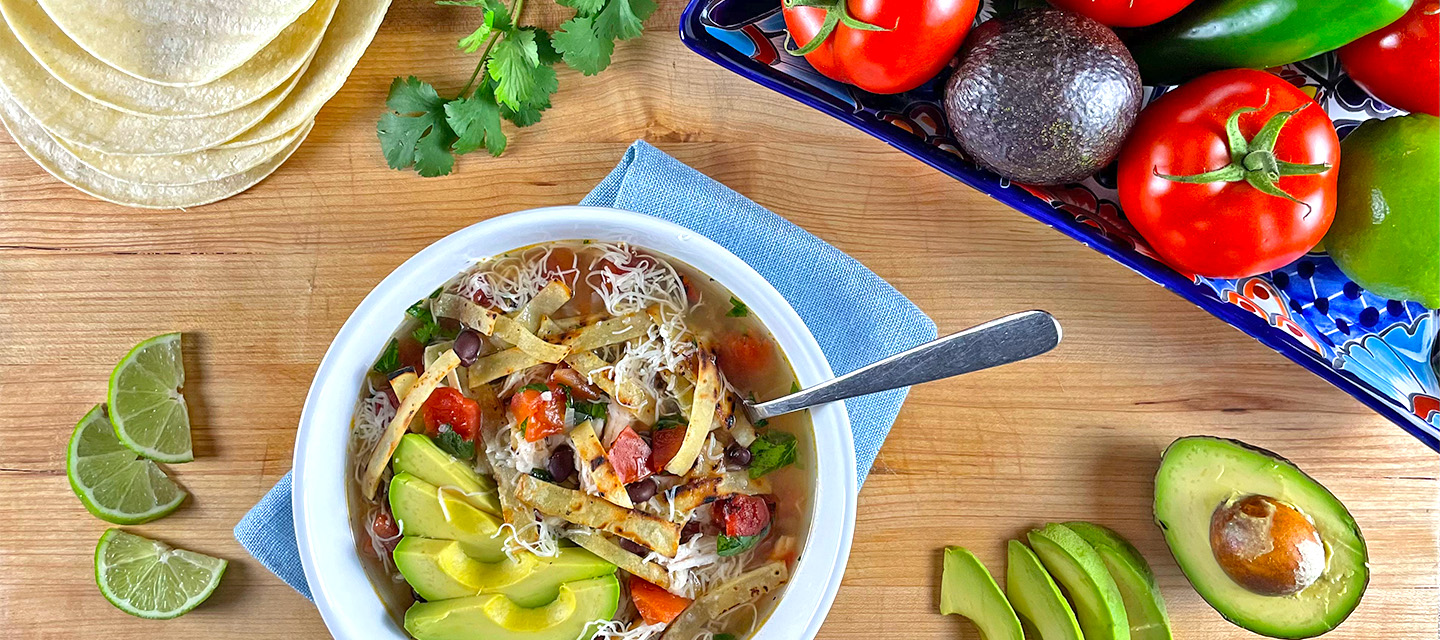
pixel 440 570
pixel 418 456
pixel 1271 549
pixel 578 607
pixel 421 509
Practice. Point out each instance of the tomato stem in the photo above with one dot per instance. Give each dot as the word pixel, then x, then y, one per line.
pixel 836 13
pixel 1254 161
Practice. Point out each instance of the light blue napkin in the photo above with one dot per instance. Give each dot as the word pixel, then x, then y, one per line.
pixel 855 316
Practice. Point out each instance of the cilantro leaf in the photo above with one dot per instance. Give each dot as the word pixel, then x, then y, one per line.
pixel 544 47
pixel 623 19
pixel 771 451
pixel 735 545
pixel 496 19
pixel 414 132
pixel 583 7
pixel 582 50
pixel 389 359
pixel 737 308
pixel 476 120
pixel 536 386
pixel 595 410
pixel 514 62
pixel 454 444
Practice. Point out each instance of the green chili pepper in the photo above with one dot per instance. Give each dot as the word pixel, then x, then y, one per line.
pixel 1210 35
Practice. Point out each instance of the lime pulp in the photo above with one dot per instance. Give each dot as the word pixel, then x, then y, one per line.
pixel 145 401
pixel 111 481
pixel 149 579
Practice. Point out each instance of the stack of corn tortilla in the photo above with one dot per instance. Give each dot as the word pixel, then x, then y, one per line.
pixel 173 103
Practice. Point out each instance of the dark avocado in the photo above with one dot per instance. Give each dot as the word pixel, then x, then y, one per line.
pixel 1043 96
pixel 1265 544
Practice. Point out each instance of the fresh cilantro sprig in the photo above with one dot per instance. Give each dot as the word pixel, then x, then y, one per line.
pixel 513 80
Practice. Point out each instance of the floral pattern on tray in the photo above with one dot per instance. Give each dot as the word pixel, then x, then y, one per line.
pixel 1384 352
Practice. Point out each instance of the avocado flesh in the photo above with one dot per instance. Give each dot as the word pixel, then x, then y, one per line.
pixel 967 589
pixel 1144 606
pixel 440 570
pixel 416 505
pixel 1197 474
pixel 1078 568
pixel 1035 596
pixel 418 456
pixel 578 606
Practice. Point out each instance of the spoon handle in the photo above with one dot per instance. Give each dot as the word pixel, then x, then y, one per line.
pixel 1002 341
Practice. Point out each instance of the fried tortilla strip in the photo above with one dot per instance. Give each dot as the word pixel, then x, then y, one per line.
pixel 746 587
pixel 498 365
pixel 545 303
pixel 417 396
pixel 693 494
pixel 708 388
pixel 515 333
pixel 548 328
pixel 596 543
pixel 592 455
pixel 572 506
pixel 607 332
pixel 590 366
pixel 449 305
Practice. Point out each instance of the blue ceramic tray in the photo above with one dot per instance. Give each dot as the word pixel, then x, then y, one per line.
pixel 1383 352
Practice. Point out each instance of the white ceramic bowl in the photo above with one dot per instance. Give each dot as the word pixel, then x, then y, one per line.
pixel 343 592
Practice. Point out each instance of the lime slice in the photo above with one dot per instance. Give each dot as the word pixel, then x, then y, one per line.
pixel 145 403
pixel 111 481
pixel 149 579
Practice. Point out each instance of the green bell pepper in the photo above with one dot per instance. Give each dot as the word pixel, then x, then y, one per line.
pixel 1210 35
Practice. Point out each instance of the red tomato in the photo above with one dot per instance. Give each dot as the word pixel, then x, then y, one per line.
pixel 1229 229
pixel 745 358
pixel 578 384
pixel 1400 64
pixel 384 528
pixel 542 413
pixel 447 405
pixel 630 456
pixel 742 515
pixel 664 444
pixel 655 605
pixel 1124 13
pixel 920 38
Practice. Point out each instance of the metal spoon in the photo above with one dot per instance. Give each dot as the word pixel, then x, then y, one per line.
pixel 1002 341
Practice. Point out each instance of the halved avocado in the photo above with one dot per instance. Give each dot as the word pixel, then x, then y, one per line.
pixel 440 569
pixel 1078 568
pixel 1036 597
pixel 418 456
pixel 967 589
pixel 1199 475
pixel 1144 606
pixel 417 506
pixel 575 611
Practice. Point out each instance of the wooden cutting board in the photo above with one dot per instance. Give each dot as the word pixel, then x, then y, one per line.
pixel 260 283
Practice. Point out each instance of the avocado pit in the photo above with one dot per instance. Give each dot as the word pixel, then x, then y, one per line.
pixel 1266 546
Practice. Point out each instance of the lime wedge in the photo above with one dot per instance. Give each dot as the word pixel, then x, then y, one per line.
pixel 149 579
pixel 111 481
pixel 145 403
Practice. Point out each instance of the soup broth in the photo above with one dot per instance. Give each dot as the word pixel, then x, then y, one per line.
pixel 609 378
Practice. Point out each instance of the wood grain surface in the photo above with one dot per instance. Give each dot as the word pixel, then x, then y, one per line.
pixel 261 282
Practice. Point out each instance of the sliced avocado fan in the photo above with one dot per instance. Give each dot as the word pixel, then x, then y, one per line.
pixel 967 589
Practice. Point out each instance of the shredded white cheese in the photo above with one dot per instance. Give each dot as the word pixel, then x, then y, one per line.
pixel 621 630
pixel 511 280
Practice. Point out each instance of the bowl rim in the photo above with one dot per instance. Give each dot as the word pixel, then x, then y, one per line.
pixel 348 603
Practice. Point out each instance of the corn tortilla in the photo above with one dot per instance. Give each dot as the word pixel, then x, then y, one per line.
pixel 75 68
pixel 43 149
pixel 185 168
pixel 174 42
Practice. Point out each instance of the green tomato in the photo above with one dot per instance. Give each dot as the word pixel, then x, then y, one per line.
pixel 1386 234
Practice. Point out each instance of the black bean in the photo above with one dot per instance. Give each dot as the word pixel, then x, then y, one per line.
pixel 467 346
pixel 691 528
pixel 642 490
pixel 633 547
pixel 737 455
pixel 561 464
